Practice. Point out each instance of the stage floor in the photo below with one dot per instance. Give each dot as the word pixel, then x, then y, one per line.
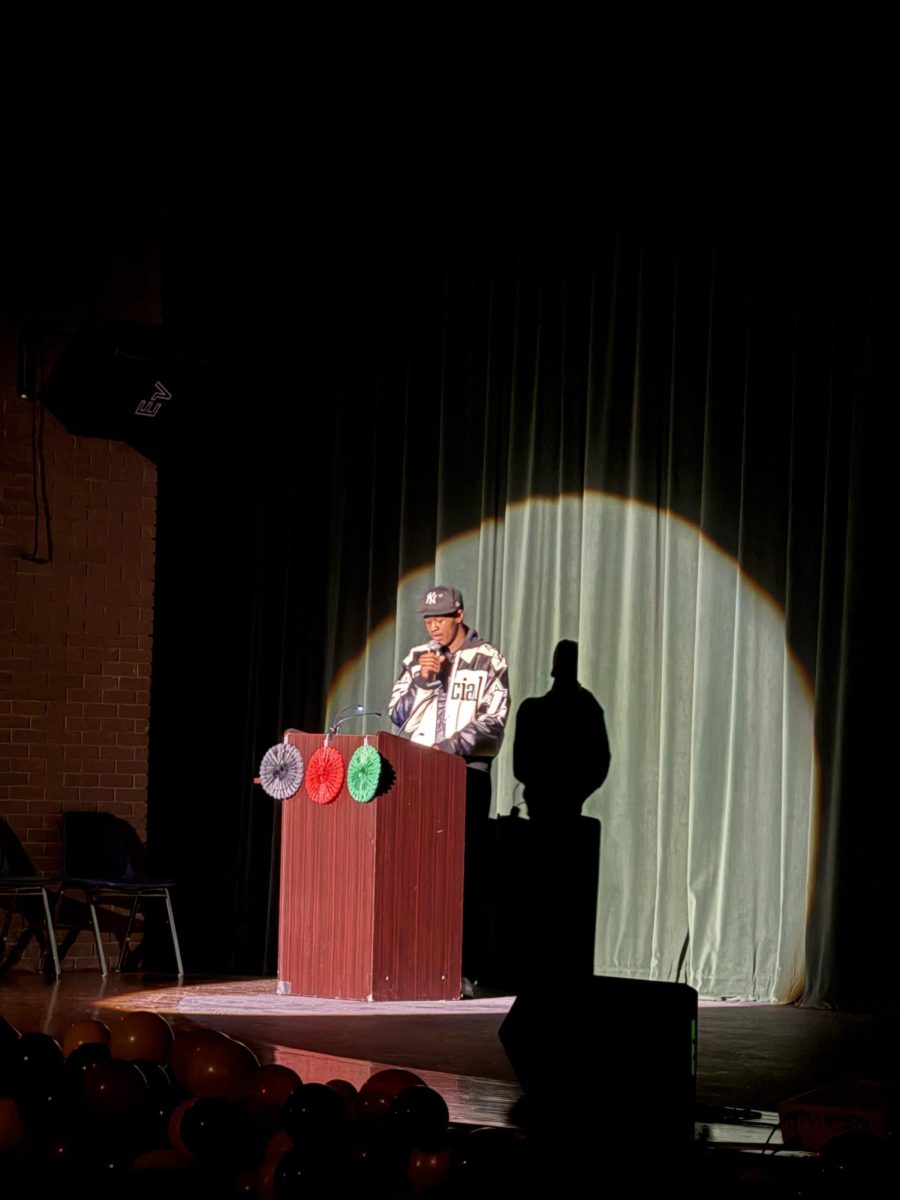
pixel 750 1056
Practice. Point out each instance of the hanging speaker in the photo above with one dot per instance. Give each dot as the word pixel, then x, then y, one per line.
pixel 131 382
pixel 619 1051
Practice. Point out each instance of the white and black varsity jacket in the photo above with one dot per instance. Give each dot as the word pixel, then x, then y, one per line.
pixel 464 709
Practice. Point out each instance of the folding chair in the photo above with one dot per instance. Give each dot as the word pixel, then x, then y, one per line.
pixel 21 887
pixel 103 858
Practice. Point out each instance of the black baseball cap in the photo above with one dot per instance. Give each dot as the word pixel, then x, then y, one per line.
pixel 440 601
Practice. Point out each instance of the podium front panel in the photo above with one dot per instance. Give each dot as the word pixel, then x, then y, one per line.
pixel 371 894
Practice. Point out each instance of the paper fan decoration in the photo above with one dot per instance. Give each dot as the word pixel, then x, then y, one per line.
pixel 364 773
pixel 281 771
pixel 324 775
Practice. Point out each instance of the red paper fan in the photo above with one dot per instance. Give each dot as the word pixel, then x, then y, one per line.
pixel 324 775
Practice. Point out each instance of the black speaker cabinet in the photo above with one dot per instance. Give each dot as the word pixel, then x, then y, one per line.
pixel 127 381
pixel 618 1051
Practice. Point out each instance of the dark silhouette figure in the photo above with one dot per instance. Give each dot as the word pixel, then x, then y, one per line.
pixel 561 751
pixel 549 865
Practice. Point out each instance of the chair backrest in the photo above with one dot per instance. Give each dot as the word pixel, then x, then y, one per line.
pixel 14 860
pixel 99 845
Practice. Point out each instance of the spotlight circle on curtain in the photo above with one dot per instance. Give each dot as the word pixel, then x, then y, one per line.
pixel 364 773
pixel 281 771
pixel 324 775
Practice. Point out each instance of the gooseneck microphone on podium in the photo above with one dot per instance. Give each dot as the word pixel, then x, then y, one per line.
pixel 352 711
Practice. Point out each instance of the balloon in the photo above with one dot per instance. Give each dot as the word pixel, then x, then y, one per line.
pixel 856 1163
pixel 107 1163
pixel 12 1127
pixel 161 1159
pixel 392 1080
pixel 9 1035
pixel 83 1059
pixel 29 1064
pixel 279 1143
pixel 428 1168
pixel 113 1089
pixel 268 1087
pixel 315 1114
pixel 161 1098
pixel 35 1056
pixel 144 1035
pixel 418 1117
pixel 346 1091
pixel 83 1032
pixel 377 1093
pixel 485 1157
pixel 46 1105
pixel 265 1178
pixel 174 1127
pixel 185 1047
pixel 63 1154
pixel 211 1127
pixel 159 1085
pixel 300 1173
pixel 220 1067
pixel 315 1171
pixel 9 1040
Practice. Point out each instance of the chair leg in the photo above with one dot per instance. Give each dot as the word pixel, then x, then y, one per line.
pixel 4 932
pixel 175 944
pixel 45 938
pixel 95 921
pixel 67 943
pixel 9 960
pixel 74 930
pixel 51 934
pixel 125 944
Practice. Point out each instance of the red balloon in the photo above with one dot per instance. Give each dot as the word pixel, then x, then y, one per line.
pixel 279 1143
pixel 377 1093
pixel 428 1168
pixel 186 1047
pixel 267 1089
pixel 141 1035
pixel 265 1178
pixel 220 1068
pixel 393 1080
pixel 83 1032
pixel 173 1128
pixel 162 1159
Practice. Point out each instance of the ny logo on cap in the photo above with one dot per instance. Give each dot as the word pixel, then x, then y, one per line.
pixel 431 598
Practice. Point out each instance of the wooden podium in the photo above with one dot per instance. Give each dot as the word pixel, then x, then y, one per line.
pixel 371 894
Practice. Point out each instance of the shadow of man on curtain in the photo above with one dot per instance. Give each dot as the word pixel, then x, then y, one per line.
pixel 549 864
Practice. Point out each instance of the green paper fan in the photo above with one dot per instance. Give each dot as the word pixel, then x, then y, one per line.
pixel 363 774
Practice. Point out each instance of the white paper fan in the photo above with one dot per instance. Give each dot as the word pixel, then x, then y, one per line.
pixel 281 771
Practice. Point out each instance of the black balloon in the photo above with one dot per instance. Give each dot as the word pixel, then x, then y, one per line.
pixel 314 1114
pixel 212 1128
pixel 418 1116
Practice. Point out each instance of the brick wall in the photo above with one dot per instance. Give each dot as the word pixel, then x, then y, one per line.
pixel 75 634
pixel 85 128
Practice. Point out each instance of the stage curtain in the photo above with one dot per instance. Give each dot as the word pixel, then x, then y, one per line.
pixel 651 430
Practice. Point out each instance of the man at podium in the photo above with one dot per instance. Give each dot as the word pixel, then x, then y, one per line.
pixel 453 695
